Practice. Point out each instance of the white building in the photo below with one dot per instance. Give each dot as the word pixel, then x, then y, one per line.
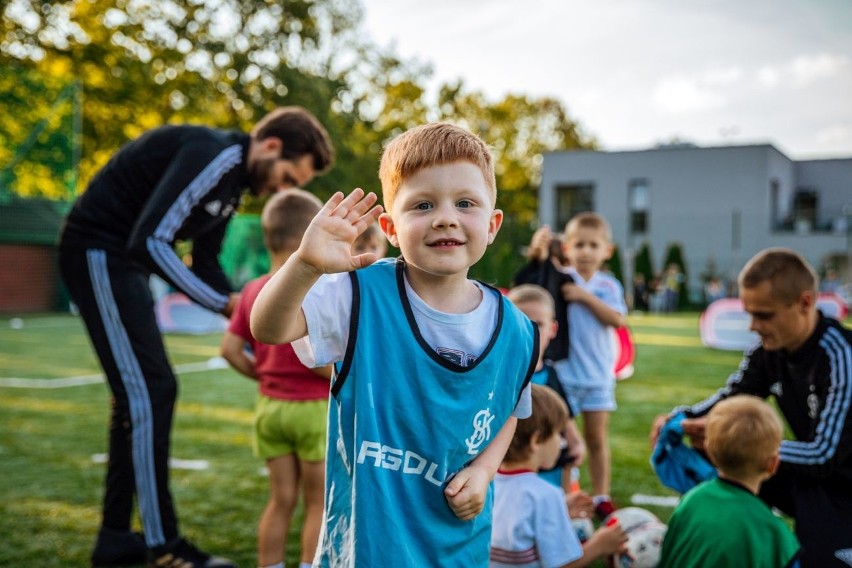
pixel 722 204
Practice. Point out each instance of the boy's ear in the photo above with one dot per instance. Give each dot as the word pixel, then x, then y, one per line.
pixel 494 224
pixel 535 441
pixel 389 229
pixel 772 465
pixel 554 327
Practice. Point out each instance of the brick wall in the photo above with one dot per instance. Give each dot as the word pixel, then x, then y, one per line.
pixel 29 278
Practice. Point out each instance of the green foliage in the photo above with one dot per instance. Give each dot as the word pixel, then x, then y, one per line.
pixel 142 64
pixel 643 262
pixel 674 256
pixel 52 488
pixel 614 264
pixel 504 257
pixel 38 150
pixel 519 129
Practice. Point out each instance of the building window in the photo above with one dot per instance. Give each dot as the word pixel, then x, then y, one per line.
pixel 775 220
pixel 573 199
pixel 805 204
pixel 639 205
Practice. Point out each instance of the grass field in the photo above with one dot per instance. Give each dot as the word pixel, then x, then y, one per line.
pixel 50 485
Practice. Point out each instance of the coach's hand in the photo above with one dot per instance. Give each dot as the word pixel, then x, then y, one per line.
pixel 659 421
pixel 692 427
pixel 466 492
pixel 695 428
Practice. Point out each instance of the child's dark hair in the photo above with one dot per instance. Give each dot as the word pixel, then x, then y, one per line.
pixel 549 414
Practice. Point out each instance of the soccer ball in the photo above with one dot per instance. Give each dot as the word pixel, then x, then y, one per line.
pixel 631 517
pixel 644 543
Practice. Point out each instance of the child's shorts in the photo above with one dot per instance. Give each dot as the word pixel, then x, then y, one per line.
pixel 284 427
pixel 592 399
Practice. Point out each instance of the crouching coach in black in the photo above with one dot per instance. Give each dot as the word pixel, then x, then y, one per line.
pixel 804 360
pixel 174 182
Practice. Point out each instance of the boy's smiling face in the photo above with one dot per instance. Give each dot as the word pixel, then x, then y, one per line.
pixel 442 219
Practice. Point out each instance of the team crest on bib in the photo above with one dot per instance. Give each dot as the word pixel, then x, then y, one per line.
pixel 481 431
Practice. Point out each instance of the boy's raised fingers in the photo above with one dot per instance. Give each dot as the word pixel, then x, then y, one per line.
pixel 333 202
pixel 361 207
pixel 347 203
pixel 368 218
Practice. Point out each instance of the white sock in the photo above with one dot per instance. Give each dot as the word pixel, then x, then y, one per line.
pixel 598 499
pixel 278 565
pixel 305 565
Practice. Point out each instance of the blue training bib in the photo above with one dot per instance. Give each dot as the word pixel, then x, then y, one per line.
pixel 402 421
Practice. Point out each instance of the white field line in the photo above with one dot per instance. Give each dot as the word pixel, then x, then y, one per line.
pixel 174 463
pixel 658 500
pixel 64 382
pixel 43 323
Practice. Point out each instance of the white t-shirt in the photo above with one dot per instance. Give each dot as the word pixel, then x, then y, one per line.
pixel 460 338
pixel 531 527
pixel 591 349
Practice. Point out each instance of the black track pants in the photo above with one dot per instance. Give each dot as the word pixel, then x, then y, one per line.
pixel 115 302
pixel 823 515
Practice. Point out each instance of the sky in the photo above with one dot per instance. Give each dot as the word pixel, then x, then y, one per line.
pixel 636 73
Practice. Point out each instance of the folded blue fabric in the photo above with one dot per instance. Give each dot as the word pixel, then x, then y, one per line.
pixel 677 465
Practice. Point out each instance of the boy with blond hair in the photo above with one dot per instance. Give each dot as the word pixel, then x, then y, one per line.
pixel 595 305
pixel 723 522
pixel 292 402
pixel 802 361
pixel 425 395
pixel 531 523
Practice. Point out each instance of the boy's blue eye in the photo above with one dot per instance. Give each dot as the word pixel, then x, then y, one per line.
pixel 423 206
pixel 464 203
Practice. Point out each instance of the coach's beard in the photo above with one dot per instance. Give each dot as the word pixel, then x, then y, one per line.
pixel 259 176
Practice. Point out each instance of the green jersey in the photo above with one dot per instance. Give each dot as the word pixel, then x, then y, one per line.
pixel 720 523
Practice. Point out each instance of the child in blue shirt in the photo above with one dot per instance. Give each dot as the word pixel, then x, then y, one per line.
pixel 595 306
pixel 432 368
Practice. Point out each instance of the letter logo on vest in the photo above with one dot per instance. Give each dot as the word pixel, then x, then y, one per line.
pixel 481 431
pixel 395 459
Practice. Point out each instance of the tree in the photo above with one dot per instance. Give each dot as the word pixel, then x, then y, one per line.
pixel 643 262
pixel 614 264
pixel 519 129
pixel 143 63
pixel 674 257
pixel 38 149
